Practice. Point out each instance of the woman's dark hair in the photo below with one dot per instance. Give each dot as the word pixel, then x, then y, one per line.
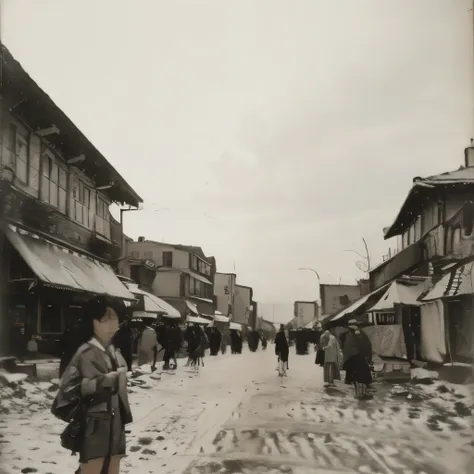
pixel 95 308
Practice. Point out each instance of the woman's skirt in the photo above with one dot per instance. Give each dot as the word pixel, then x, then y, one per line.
pixel 358 370
pixel 331 372
pixel 320 357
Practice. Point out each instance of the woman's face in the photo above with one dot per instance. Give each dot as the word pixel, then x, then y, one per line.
pixel 107 326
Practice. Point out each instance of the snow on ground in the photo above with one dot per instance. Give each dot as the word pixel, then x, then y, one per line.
pixel 237 416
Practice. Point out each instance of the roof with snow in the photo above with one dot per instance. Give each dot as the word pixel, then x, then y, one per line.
pixel 421 192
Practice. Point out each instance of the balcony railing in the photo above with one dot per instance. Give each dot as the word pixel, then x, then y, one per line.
pixel 452 240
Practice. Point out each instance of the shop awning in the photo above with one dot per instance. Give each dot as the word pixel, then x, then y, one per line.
pixel 153 304
pixel 458 282
pixel 197 320
pixel 58 267
pixel 358 304
pixel 197 276
pixel 236 326
pixel 192 307
pixel 220 318
pixel 401 292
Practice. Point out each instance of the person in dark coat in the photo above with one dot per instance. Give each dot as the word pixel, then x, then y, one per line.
pixel 282 350
pixel 234 341
pixel 253 340
pixel 357 357
pixel 123 340
pixel 264 342
pixel 215 338
pixel 71 340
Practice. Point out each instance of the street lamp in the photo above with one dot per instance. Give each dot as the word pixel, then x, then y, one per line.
pixel 316 273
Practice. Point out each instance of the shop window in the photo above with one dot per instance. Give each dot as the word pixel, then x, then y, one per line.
pixel 82 204
pixel 168 259
pixel 18 144
pixel 53 182
pixel 103 218
pixel 51 318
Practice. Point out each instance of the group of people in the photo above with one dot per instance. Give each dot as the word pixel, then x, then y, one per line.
pixel 353 354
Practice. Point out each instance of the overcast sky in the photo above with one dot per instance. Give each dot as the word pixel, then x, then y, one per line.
pixel 275 134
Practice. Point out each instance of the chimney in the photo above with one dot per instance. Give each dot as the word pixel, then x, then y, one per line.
pixel 141 239
pixel 469 156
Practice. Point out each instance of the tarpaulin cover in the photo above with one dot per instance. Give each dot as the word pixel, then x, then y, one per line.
pixel 57 267
pixel 387 340
pixel 401 293
pixel 433 343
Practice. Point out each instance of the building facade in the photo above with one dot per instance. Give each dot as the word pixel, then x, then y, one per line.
pixel 58 239
pixel 434 231
pixel 336 297
pixel 184 275
pixel 224 292
pixel 243 309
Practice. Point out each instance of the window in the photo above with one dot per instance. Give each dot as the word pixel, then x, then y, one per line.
pixel 385 318
pixel 53 182
pixel 18 144
pixel 135 254
pixel 103 218
pixel 168 259
pixel 207 270
pixel 194 263
pixel 82 204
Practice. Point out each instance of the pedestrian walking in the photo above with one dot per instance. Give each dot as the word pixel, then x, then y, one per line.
pixel 215 339
pixel 148 345
pixel 332 358
pixel 92 395
pixel 282 350
pixel 357 360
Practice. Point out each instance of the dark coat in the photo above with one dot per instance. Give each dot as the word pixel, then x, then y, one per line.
pixel 99 383
pixel 282 348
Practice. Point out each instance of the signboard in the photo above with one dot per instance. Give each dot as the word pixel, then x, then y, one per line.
pixel 334 298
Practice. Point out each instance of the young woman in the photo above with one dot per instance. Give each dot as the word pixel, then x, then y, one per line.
pixel 96 378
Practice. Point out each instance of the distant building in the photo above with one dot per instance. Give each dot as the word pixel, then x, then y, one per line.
pixel 305 312
pixel 337 297
pixel 224 292
pixel 243 308
pixel 184 275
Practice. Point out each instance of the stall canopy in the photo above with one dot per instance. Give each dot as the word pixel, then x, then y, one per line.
pixel 153 304
pixel 61 268
pixel 192 307
pixel 401 292
pixel 220 318
pixel 358 305
pixel 457 282
pixel 236 326
pixel 197 320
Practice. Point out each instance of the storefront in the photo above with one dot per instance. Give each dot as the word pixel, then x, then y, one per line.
pixel 46 287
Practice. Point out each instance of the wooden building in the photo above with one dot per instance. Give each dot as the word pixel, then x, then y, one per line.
pixel 58 241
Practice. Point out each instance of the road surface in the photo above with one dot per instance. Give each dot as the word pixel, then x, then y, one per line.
pixel 238 416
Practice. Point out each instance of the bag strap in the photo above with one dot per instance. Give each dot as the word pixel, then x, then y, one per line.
pixel 106 465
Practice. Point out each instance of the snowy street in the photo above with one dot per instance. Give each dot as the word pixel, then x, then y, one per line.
pixel 237 416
